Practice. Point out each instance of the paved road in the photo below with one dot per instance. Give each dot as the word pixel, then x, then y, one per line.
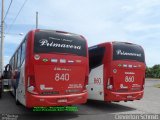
pixel 92 110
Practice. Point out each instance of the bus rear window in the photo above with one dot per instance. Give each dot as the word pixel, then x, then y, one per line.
pixel 125 51
pixel 50 42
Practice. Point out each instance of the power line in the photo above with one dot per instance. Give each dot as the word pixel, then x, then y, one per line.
pixel 8 10
pixel 17 15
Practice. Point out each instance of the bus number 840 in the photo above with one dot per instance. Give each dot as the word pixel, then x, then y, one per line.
pixel 61 77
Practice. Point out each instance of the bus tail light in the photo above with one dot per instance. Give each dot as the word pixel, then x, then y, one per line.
pixel 31 84
pixel 143 83
pixel 110 83
pixel 86 82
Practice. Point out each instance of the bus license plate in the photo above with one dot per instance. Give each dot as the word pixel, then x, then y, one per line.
pixel 62 100
pixel 129 96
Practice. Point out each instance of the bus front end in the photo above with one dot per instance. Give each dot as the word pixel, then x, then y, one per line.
pixel 127 73
pixel 58 69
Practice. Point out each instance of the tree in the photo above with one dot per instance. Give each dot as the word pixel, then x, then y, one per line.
pixel 153 72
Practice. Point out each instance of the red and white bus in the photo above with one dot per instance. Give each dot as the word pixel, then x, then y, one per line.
pixel 50 68
pixel 117 72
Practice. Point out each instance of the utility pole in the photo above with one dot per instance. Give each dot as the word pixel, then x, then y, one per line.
pixel 36 20
pixel 2 38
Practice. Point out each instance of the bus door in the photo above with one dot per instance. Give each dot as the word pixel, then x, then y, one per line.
pixel 95 86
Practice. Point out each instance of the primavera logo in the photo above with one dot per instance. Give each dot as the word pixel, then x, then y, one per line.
pixel 45 42
pixel 124 53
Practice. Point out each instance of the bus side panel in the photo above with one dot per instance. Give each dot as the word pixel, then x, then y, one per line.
pixel 21 86
pixel 107 69
pixel 95 86
pixel 28 63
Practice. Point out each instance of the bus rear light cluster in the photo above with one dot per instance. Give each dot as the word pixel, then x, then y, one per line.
pixel 31 84
pixel 110 87
pixel 30 88
pixel 110 83
pixel 143 83
pixel 86 82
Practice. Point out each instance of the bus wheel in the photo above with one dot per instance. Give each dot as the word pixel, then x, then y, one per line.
pixel 16 100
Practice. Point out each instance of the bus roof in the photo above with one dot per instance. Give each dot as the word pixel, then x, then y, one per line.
pixel 111 42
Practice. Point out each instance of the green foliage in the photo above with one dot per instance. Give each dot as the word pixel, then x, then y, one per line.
pixel 153 72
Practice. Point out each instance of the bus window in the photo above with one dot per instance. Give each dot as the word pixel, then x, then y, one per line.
pixel 15 60
pixel 49 42
pixel 23 52
pixel 19 57
pixel 124 51
pixel 96 57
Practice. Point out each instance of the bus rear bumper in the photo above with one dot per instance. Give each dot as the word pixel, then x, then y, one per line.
pixel 61 100
pixel 117 96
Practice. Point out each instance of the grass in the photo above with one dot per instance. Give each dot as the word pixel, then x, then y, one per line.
pixel 157 86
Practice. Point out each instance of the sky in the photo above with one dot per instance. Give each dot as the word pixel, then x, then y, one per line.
pixel 135 21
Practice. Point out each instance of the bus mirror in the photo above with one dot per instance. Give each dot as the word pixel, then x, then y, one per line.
pixel 7 72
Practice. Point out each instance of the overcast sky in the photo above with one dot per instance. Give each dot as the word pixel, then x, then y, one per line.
pixel 136 21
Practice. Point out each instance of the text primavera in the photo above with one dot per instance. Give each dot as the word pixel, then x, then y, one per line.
pixel 119 52
pixel 52 44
